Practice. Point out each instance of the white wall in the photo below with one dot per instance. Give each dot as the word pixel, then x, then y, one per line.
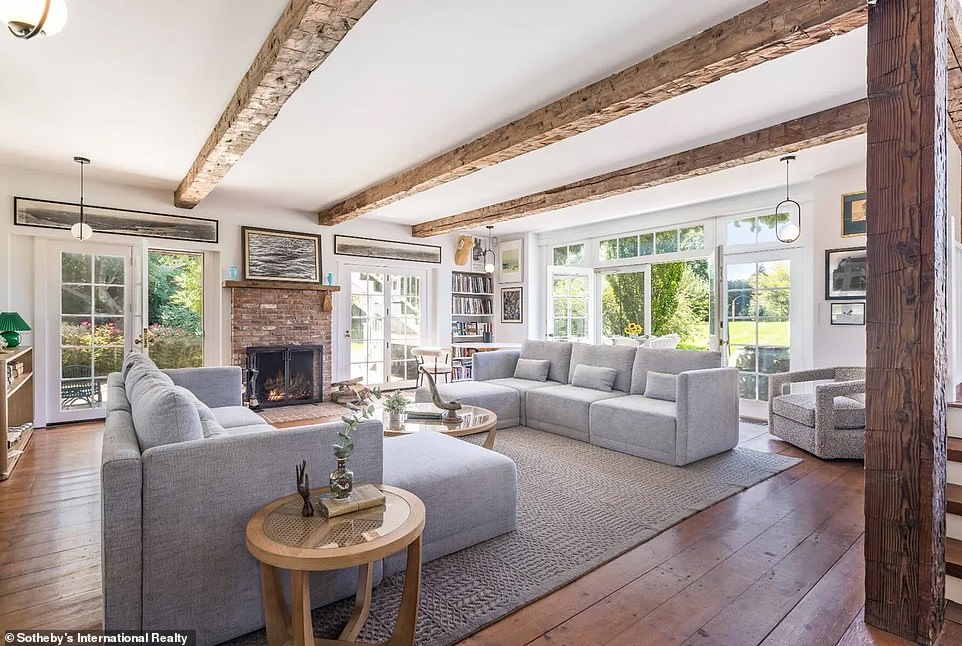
pixel 833 345
pixel 17 275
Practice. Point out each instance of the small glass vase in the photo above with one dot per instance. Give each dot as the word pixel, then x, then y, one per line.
pixel 395 421
pixel 342 481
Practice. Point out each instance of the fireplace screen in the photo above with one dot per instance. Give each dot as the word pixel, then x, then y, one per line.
pixel 283 375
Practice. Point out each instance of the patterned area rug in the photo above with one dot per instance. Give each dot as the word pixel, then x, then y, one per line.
pixel 579 507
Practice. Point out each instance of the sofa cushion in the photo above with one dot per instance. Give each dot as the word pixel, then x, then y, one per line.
pixel 556 352
pixel 594 377
pixel 233 416
pixel 208 422
pixel 618 357
pixel 636 425
pixel 469 493
pixel 800 407
pixel 251 428
pixel 523 386
pixel 661 385
pixel 163 415
pixel 135 358
pixel 533 369
pixel 563 410
pixel 671 362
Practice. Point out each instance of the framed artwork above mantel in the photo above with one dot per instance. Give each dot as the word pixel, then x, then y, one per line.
pixel 281 256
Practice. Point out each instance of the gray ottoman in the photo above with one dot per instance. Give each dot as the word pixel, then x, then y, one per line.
pixel 470 494
pixel 503 401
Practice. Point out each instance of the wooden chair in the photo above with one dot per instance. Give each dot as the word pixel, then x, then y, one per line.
pixel 435 360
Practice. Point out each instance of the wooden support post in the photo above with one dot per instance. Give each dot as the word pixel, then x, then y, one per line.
pixel 905 430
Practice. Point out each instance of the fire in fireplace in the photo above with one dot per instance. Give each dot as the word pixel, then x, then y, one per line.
pixel 281 375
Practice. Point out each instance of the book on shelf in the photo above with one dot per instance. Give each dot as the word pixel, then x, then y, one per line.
pixel 363 496
pixel 472 284
pixel 471 305
pixel 471 328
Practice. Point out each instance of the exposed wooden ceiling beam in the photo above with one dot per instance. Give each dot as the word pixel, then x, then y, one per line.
pixel 816 129
pixel 954 65
pixel 303 37
pixel 768 31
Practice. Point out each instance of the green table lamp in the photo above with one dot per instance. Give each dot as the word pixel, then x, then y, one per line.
pixel 11 325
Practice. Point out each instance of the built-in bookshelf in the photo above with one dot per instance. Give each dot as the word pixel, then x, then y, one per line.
pixel 472 316
pixel 16 406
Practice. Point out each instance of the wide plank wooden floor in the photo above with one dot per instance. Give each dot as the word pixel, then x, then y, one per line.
pixel 778 564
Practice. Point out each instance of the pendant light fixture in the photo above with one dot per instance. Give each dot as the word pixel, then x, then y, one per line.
pixel 792 228
pixel 28 18
pixel 489 263
pixel 81 230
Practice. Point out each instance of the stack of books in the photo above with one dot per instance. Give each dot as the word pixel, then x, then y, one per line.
pixel 364 496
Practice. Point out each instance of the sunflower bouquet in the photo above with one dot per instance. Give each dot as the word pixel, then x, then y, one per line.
pixel 633 329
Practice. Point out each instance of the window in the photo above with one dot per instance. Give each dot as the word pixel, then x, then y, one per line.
pixel 754 230
pixel 572 254
pixel 654 243
pixel 569 306
pixel 175 308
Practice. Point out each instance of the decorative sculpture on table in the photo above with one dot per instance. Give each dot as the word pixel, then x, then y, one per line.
pixel 452 407
pixel 304 488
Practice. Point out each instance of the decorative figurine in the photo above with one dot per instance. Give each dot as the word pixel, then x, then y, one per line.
pixel 304 488
pixel 452 417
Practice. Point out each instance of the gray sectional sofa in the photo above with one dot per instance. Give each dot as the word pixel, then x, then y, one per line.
pixel 672 406
pixel 185 466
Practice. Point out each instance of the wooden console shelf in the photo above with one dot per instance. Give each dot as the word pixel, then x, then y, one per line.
pixel 16 407
pixel 277 284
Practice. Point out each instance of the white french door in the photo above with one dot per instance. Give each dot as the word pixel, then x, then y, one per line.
pixel 94 309
pixel 387 321
pixel 759 304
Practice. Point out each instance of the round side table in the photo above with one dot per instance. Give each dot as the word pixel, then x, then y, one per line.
pixel 280 537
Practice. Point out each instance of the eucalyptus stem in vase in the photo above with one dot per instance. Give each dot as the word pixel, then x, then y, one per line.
pixel 342 478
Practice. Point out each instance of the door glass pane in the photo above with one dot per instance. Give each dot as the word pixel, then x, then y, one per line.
pixel 91 345
pixel 405 315
pixel 368 317
pixel 758 312
pixel 680 298
pixel 175 308
pixel 622 303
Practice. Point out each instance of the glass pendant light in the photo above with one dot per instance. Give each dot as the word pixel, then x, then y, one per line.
pixel 489 262
pixel 81 230
pixel 28 18
pixel 792 228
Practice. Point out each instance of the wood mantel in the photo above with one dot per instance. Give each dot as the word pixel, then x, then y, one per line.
pixel 278 284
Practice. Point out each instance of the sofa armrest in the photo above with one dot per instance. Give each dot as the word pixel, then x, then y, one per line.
pixel 121 544
pixel 499 364
pixel 825 395
pixel 706 413
pixel 215 386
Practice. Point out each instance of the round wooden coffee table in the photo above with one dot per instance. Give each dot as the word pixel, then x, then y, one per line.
pixel 474 419
pixel 280 537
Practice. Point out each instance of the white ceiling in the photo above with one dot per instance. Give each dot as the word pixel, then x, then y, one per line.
pixel 138 86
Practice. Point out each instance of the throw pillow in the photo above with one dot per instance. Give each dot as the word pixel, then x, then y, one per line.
pixel 661 385
pixel 163 415
pixel 532 369
pixel 594 377
pixel 208 422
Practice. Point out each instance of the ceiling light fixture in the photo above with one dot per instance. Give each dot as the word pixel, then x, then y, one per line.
pixel 28 18
pixel 81 230
pixel 792 228
pixel 489 264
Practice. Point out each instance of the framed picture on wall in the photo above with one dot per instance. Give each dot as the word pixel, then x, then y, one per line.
pixel 386 249
pixel 846 274
pixel 285 256
pixel 854 214
pixel 848 314
pixel 510 267
pixel 512 305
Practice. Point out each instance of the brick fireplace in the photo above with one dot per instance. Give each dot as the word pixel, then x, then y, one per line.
pixel 277 314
